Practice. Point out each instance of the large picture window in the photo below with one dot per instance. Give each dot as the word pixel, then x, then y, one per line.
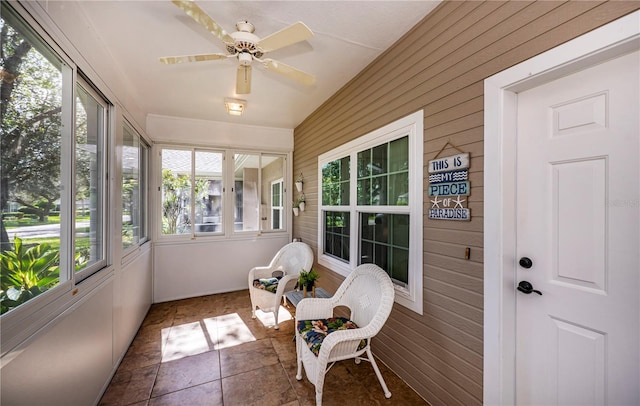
pixel 371 206
pixel 221 192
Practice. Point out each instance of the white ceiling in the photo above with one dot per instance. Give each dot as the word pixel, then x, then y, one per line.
pixel 348 36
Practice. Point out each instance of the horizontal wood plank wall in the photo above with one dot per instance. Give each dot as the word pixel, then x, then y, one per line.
pixel 440 66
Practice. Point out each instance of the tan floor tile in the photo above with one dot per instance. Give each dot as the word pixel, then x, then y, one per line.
pixel 247 357
pixel 285 347
pixel 141 355
pixel 266 386
pixel 187 372
pixel 129 387
pixel 207 394
pixel 152 333
pixel 160 315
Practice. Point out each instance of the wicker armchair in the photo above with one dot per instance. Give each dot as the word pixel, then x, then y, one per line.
pixel 288 262
pixel 321 340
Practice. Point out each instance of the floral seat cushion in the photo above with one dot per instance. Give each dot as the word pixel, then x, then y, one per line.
pixel 314 331
pixel 268 284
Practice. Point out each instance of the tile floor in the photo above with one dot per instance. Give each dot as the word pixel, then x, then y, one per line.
pixel 209 351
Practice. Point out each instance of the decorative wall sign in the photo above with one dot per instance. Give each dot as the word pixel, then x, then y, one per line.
pixel 449 186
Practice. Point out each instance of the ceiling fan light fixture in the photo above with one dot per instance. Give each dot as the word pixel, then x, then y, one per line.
pixel 245 58
pixel 234 107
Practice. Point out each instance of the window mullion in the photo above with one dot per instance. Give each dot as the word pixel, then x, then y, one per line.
pixel 354 249
pixel 67 175
pixel 229 207
pixel 259 208
pixel 192 203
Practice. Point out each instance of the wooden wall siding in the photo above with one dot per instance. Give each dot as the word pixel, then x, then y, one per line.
pixel 440 66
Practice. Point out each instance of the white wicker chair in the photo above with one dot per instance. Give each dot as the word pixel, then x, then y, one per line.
pixel 291 259
pixel 369 294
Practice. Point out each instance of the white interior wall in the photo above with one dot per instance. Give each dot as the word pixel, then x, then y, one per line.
pixel 199 268
pixel 68 361
pixel 184 131
pixel 132 299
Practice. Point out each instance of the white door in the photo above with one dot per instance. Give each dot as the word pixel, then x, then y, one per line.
pixel 578 210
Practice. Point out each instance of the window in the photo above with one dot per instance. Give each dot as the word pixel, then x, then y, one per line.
pixel 53 192
pixel 245 186
pixel 90 188
pixel 335 199
pixel 208 192
pixel 384 241
pixel 179 167
pixel 272 192
pixel 135 159
pixel 277 205
pixel 336 230
pixel 371 207
pixel 194 175
pixel 176 191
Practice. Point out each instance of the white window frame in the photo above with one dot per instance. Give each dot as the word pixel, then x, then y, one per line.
pixel 228 202
pixel 103 180
pixel 411 126
pixel 144 155
pixel 280 207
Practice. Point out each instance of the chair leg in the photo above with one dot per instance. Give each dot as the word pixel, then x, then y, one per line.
pixel 387 394
pixel 275 315
pixel 299 358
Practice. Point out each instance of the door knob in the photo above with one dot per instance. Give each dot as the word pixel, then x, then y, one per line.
pixel 525 262
pixel 526 287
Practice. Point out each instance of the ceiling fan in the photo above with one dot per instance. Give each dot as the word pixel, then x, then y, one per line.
pixel 246 47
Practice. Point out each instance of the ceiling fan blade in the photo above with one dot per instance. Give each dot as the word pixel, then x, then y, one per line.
pixel 169 60
pixel 194 11
pixel 290 72
pixel 243 80
pixel 290 35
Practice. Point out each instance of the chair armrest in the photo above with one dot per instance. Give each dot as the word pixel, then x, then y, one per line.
pixel 259 272
pixel 339 339
pixel 284 281
pixel 314 308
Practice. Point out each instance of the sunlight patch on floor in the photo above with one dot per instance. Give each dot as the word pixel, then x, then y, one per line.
pixel 204 335
pixel 268 320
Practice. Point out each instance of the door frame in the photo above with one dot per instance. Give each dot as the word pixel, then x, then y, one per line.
pixel 500 100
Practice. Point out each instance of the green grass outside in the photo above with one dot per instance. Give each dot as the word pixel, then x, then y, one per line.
pixel 54 242
pixel 24 222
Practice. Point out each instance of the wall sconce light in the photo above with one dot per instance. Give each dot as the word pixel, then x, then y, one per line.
pixel 234 107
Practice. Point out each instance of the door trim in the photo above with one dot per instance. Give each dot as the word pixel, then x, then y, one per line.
pixel 500 99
